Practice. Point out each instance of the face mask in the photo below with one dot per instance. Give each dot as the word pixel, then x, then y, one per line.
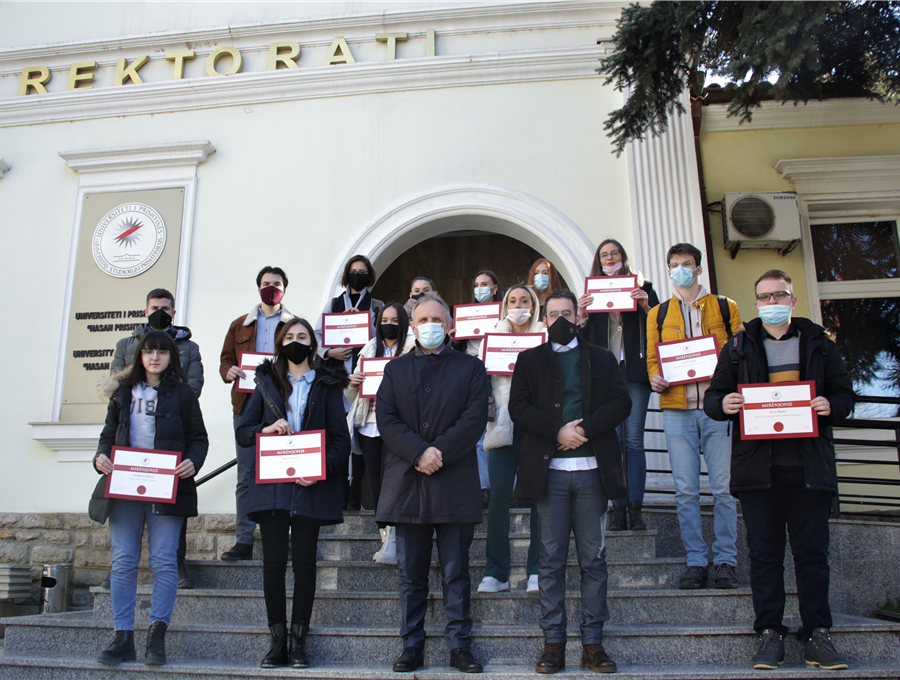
pixel 562 331
pixel 296 352
pixel 358 281
pixel 541 281
pixel 159 320
pixel 417 296
pixel 271 295
pixel 483 294
pixel 775 315
pixel 518 316
pixel 431 335
pixel 390 331
pixel 612 269
pixel 682 277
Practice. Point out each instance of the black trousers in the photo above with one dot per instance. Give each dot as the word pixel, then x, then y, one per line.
pixel 274 528
pixel 371 448
pixel 805 514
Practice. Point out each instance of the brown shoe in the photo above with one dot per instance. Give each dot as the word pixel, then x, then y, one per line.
pixel 595 658
pixel 553 658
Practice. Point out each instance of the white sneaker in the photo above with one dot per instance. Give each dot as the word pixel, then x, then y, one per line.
pixel 388 552
pixel 491 585
pixel 533 584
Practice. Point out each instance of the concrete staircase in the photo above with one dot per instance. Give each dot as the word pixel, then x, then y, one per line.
pixel 656 631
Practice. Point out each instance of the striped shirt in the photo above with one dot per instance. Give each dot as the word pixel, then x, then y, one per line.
pixel 783 358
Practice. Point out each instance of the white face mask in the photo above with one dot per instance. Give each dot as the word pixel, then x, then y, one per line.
pixel 518 316
pixel 612 269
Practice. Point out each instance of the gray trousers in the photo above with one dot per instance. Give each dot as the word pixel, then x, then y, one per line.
pixel 245 455
pixel 573 501
pixel 414 556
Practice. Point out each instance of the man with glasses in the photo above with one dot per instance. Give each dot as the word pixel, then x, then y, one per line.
pixel 569 396
pixel 692 312
pixel 785 482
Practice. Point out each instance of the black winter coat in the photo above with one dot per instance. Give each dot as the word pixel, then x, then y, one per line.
pixel 176 402
pixel 743 361
pixel 437 400
pixel 324 500
pixel 536 406
pixel 634 336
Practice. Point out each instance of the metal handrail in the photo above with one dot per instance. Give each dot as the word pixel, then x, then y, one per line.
pixel 215 473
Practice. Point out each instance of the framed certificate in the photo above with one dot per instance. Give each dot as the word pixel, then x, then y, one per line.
pixel 688 361
pixel 143 475
pixel 248 362
pixel 473 321
pixel 611 293
pixel 353 329
pixel 779 410
pixel 373 369
pixel 287 457
pixel 500 351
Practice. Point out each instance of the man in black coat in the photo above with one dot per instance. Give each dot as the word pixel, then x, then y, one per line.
pixel 785 481
pixel 432 410
pixel 569 397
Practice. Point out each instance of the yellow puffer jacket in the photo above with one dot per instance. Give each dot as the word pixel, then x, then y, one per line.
pixel 673 329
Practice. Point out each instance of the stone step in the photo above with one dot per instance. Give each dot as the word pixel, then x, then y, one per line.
pixel 516 608
pixel 81 633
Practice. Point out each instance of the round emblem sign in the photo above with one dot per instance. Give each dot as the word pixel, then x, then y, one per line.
pixel 129 240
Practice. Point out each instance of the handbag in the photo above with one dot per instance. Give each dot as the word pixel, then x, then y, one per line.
pixel 99 507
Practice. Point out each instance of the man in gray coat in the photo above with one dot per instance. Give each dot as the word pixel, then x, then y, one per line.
pixel 432 410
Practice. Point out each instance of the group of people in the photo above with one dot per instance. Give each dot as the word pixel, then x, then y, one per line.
pixel 563 435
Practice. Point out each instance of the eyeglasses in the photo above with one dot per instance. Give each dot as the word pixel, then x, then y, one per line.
pixel 778 295
pixel 675 265
pixel 566 314
pixel 610 255
pixel 155 352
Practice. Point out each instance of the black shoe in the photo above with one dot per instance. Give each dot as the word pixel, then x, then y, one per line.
pixel 553 658
pixel 299 658
pixel 485 498
pixel 156 644
pixel 278 653
pixel 412 659
pixel 819 651
pixel 724 576
pixel 184 580
pixel 770 654
pixel 463 660
pixel 240 551
pixel 635 521
pixel 122 649
pixel 616 521
pixel 693 578
pixel 595 658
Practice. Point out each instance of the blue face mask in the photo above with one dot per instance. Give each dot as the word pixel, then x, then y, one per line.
pixel 775 315
pixel 541 281
pixel 431 335
pixel 483 293
pixel 682 277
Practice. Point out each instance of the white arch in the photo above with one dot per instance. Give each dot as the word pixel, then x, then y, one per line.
pixel 515 214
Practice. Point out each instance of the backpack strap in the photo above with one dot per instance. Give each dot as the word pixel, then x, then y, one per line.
pixel 725 311
pixel 264 393
pixel 661 317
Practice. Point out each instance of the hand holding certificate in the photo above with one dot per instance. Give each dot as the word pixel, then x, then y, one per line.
pixel 611 293
pixel 688 361
pixel 143 475
pixel 248 363
pixel 778 411
pixel 290 457
pixel 473 321
pixel 348 329
pixel 373 370
pixel 500 351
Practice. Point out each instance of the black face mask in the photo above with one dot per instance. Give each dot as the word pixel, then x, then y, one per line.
pixel 562 331
pixel 358 281
pixel 390 331
pixel 296 352
pixel 159 320
pixel 417 296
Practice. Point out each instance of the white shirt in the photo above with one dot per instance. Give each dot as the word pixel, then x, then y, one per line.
pixel 571 464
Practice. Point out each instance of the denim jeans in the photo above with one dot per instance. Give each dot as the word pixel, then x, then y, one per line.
pixel 631 439
pixel 483 471
pixel 126 529
pixel 687 433
pixel 573 501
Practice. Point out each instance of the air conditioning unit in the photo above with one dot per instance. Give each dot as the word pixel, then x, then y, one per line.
pixel 761 220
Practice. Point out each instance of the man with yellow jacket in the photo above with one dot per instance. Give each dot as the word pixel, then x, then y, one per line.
pixel 693 312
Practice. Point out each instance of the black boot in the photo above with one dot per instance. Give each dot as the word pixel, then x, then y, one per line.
pixel 634 516
pixel 156 644
pixel 616 520
pixel 122 649
pixel 299 657
pixel 278 654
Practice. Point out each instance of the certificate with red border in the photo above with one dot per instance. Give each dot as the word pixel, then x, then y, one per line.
pixel 611 293
pixel 779 410
pixel 248 363
pixel 288 457
pixel 143 475
pixel 373 369
pixel 689 360
pixel 473 321
pixel 500 351
pixel 353 329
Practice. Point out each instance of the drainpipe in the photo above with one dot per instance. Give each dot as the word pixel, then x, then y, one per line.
pixel 696 115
